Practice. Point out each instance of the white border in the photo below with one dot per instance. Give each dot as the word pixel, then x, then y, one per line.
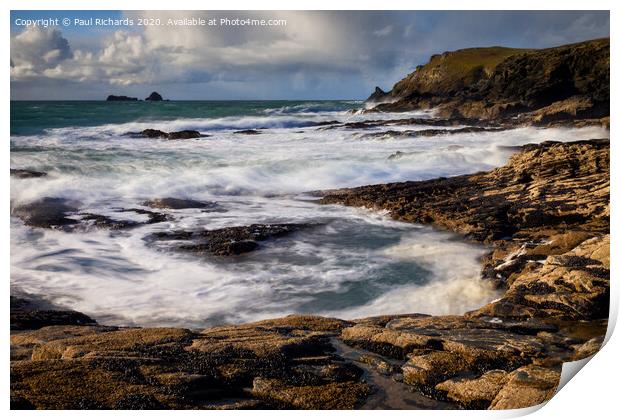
pixel 593 394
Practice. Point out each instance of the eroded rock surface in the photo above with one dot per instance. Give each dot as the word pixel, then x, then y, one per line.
pixel 285 363
pixel 228 241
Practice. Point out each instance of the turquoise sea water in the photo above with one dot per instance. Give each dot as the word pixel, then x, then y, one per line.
pixel 31 117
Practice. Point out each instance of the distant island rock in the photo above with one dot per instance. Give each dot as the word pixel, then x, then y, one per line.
pixel 114 98
pixel 154 97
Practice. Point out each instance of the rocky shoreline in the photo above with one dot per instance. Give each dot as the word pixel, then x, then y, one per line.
pixel 546 216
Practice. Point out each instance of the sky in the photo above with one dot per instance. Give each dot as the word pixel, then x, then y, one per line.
pixel 316 55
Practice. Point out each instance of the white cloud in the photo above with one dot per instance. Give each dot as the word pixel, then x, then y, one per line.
pixel 37 49
pixel 384 31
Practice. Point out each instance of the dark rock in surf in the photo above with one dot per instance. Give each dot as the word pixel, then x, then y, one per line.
pixel 48 212
pixel 154 134
pixel 121 98
pixel 250 132
pixel 153 216
pixel 154 97
pixel 184 134
pixel 396 155
pixel 175 135
pixel 26 173
pixel 31 314
pixel 179 203
pixel 431 132
pixel 105 222
pixel 227 241
pixel 61 213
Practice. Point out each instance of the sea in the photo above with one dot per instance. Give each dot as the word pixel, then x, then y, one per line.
pixel 355 263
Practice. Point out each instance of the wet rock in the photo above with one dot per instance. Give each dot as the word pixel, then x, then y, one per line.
pixel 184 134
pixel 227 241
pixel 28 314
pixel 179 203
pixel 61 213
pixel 26 173
pixel 379 364
pixel 105 222
pixel 494 205
pixel 477 393
pixel 154 134
pixel 95 367
pixel 250 131
pixel 589 348
pixel 23 343
pixel 526 387
pixel 153 216
pixel 334 396
pixel 430 132
pixel 175 135
pixel 573 285
pixel 48 212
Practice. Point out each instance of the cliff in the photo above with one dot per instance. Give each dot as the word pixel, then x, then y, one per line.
pixel 560 83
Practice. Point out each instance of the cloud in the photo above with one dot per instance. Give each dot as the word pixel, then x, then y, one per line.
pixel 316 54
pixel 384 31
pixel 37 49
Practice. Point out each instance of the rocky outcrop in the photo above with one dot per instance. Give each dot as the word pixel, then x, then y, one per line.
pixel 285 363
pixel 181 203
pixel 120 98
pixel 30 314
pixel 48 212
pixel 26 173
pixel 174 135
pixel 65 214
pixel 546 216
pixel 227 241
pixel 378 96
pixel 546 213
pixel 534 86
pixel 429 132
pixel 249 131
pixel 552 186
pixel 154 96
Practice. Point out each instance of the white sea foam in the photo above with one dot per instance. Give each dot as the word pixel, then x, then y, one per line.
pixel 357 263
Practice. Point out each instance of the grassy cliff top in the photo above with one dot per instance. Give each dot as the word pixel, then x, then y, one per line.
pixel 454 70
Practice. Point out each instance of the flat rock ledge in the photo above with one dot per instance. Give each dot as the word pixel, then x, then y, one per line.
pixel 235 240
pixel 546 215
